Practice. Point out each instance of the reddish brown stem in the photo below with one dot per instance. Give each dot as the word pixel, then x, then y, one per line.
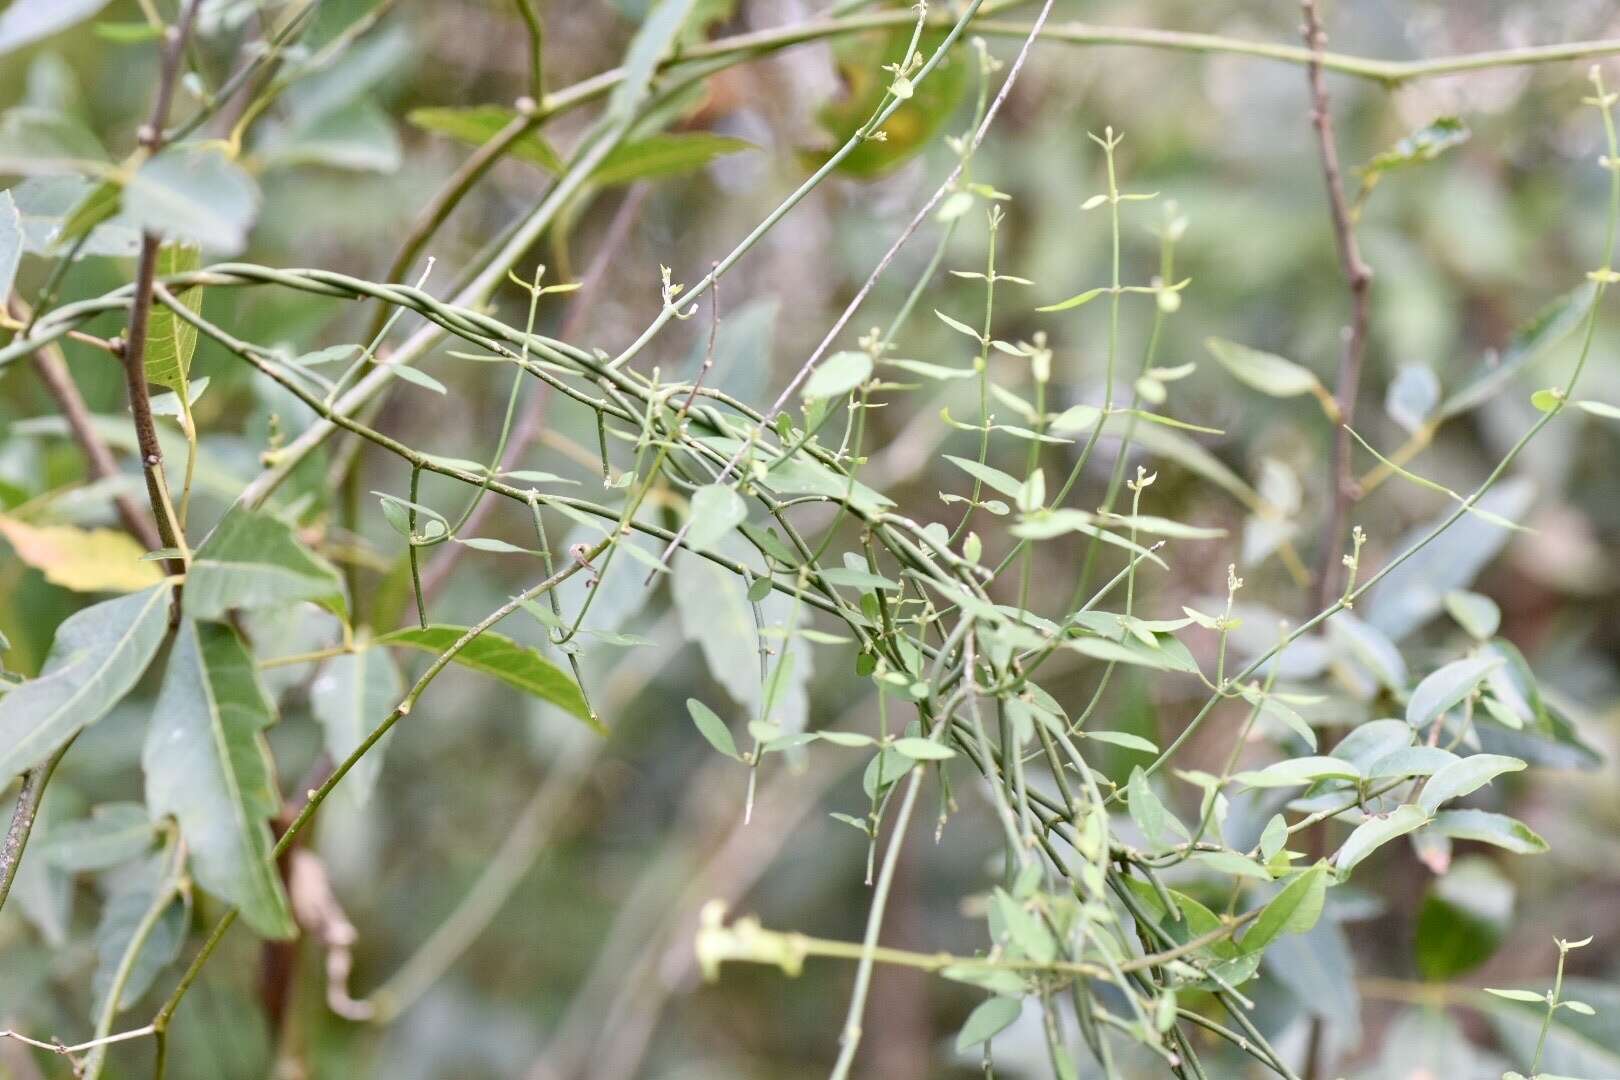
pixel 1358 275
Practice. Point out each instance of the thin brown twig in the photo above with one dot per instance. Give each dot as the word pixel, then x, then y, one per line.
pixel 1358 275
pixel 51 366
pixel 134 352
pixel 23 816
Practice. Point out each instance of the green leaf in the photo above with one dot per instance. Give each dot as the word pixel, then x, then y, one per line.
pixel 254 560
pixel 1464 776
pixel 98 656
pixel 1499 830
pixel 1424 144
pixel 1369 647
pixel 170 340
pixel 114 833
pixel 993 1016
pixel 1445 688
pixel 477 124
pixel 1375 832
pixel 352 694
pixel 1149 813
pixel 664 155
pixel 1476 614
pixel 712 728
pixel 207 764
pixel 1124 739
pixel 837 375
pixel 1296 772
pixel 659 32
pixel 996 980
pixel 193 195
pixel 1518 995
pixel 1263 371
pixel 28 21
pixel 1294 910
pixel 920 749
pixel 1022 928
pixel 516 665
pixel 1170 656
pixel 716 510
pixel 1074 301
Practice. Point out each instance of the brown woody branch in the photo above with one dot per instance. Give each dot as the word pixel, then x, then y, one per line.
pixel 1359 277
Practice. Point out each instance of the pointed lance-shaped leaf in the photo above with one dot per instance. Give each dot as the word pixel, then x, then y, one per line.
pixel 253 560
pixel 207 764
pixel 516 665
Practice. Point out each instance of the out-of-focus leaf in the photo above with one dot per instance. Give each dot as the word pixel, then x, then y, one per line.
pixel 478 124
pixel 1550 326
pixel 253 560
pixel 170 340
pixel 352 695
pixel 132 896
pixel 1476 614
pixel 194 195
pixel 659 155
pixel 1424 144
pixel 206 763
pixel 1412 396
pixel 1370 648
pixel 113 833
pixel 1463 918
pixel 359 137
pixel 46 142
pixel 516 665
pixel 1374 833
pixel 99 654
pixel 716 614
pixel 658 34
pixel 1263 371
pixel 663 155
pixel 913 125
pixel 837 375
pixel 50 205
pixel 28 21
pixel 1444 689
pixel 716 510
pixel 11 241
pixel 1294 910
pixel 1412 593
pixel 84 560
